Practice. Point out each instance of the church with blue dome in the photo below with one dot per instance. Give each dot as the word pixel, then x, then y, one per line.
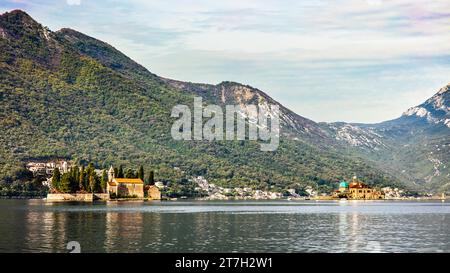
pixel 357 190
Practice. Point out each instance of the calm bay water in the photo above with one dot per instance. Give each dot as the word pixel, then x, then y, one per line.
pixel 225 226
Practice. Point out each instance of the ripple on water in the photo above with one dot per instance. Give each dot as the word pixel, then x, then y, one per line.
pixel 242 226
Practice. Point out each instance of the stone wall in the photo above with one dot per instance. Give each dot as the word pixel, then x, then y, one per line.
pixel 131 189
pixel 89 197
pixel 101 196
pixel 154 193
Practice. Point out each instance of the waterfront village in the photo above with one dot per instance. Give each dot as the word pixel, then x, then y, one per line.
pixel 113 184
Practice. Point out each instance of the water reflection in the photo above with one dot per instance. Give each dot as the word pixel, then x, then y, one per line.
pixel 123 231
pixel 41 228
pixel 38 226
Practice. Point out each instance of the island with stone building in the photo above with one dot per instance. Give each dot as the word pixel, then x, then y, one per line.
pixel 357 190
pixel 68 182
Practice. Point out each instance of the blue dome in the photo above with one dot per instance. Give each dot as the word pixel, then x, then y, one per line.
pixel 343 184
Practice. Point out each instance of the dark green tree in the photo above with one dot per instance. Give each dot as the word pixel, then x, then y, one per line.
pixel 56 179
pixel 91 180
pixel 120 172
pixel 104 181
pixel 141 173
pixel 76 176
pixel 81 179
pixel 73 177
pixel 151 178
pixel 65 183
pixel 130 174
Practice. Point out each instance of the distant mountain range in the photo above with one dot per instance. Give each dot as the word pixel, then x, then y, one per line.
pixel 65 94
pixel 415 146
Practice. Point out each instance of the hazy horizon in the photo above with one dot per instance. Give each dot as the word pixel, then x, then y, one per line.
pixel 353 61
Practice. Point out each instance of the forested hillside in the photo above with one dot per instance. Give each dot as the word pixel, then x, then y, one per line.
pixel 67 95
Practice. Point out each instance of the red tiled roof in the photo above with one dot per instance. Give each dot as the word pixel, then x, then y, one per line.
pixel 128 180
pixel 358 185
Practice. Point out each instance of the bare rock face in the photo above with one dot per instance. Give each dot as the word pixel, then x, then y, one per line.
pixel 435 110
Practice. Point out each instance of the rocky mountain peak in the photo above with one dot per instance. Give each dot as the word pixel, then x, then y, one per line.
pixel 103 52
pixel 444 89
pixel 17 23
pixel 441 100
pixel 25 38
pixel 435 110
pixel 17 15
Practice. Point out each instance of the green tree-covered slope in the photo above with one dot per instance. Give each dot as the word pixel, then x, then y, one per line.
pixel 63 94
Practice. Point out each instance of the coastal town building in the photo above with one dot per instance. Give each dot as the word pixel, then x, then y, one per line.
pixel 154 193
pixel 215 192
pixel 45 169
pixel 393 193
pixel 357 190
pixel 124 187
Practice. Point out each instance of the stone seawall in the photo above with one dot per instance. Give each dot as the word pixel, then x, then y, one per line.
pixel 88 197
pixel 101 196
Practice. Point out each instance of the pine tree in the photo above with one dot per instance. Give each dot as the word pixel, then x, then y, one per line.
pixel 56 179
pixel 120 172
pixel 141 173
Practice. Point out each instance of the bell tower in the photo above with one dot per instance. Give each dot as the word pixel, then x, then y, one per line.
pixel 111 174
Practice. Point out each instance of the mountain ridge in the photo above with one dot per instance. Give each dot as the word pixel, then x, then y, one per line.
pixel 88 101
pixel 416 144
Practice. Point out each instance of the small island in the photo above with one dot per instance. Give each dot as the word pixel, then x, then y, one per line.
pixel 357 190
pixel 80 183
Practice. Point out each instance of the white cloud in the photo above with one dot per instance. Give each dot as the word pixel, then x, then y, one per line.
pixel 306 54
pixel 73 2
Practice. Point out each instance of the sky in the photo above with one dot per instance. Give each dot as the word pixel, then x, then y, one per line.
pixel 328 60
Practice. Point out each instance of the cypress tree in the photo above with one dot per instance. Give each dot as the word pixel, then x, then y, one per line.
pixel 73 180
pixel 86 179
pixel 129 173
pixel 104 181
pixel 65 183
pixel 94 182
pixel 91 183
pixel 81 179
pixel 76 176
pixel 56 179
pixel 141 173
pixel 91 167
pixel 120 172
pixel 151 178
